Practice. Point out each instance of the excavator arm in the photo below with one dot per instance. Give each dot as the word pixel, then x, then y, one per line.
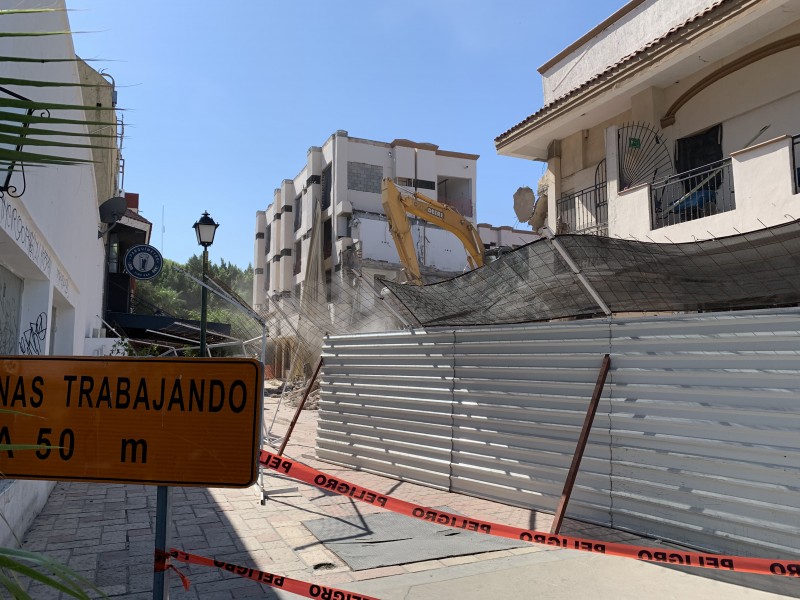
pixel 397 205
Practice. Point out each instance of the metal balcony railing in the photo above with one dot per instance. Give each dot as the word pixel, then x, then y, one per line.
pixel 584 211
pixel 694 194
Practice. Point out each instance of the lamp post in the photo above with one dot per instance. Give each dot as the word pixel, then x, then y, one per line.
pixel 205 228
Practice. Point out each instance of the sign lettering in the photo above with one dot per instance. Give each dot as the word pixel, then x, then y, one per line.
pixel 131 420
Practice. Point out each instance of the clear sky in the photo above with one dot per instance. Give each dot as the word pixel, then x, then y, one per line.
pixel 223 99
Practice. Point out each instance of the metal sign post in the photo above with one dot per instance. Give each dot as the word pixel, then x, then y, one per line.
pixel 163 510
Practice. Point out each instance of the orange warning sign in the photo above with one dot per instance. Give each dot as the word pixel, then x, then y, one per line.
pixel 156 421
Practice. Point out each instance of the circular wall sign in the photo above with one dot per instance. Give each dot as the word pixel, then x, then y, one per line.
pixel 143 262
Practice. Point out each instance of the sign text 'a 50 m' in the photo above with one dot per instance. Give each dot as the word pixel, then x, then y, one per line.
pixel 192 422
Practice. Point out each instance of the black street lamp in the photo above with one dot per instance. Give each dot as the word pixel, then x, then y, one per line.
pixel 205 228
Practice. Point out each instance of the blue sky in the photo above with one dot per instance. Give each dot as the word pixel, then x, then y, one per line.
pixel 224 99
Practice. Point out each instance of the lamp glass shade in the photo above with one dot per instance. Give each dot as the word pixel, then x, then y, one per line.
pixel 205 228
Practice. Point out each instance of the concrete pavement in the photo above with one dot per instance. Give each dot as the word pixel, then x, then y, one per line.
pixel 106 532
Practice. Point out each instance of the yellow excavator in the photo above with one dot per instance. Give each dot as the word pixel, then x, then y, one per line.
pixel 398 204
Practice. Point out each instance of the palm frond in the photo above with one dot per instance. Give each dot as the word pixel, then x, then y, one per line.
pixel 56 575
pixel 37 83
pixel 28 141
pixel 47 60
pixel 25 118
pixel 7 34
pixel 34 157
pixel 24 130
pixel 20 11
pixel 34 105
pixel 10 411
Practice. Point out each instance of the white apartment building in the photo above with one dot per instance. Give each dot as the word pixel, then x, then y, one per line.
pixel 344 177
pixel 671 121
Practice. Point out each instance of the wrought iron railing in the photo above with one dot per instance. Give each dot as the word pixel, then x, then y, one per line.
pixel 584 211
pixel 693 194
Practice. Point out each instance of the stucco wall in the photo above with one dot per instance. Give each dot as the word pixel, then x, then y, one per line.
pixel 644 24
pixel 49 235
pixel 759 94
pixel 59 206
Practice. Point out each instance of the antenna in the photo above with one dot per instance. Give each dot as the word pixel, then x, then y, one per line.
pixel 163 228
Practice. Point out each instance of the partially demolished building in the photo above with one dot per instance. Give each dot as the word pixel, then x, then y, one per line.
pixel 671 131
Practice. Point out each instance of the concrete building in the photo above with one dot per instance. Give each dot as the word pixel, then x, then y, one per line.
pixel 671 121
pixel 52 256
pixel 344 177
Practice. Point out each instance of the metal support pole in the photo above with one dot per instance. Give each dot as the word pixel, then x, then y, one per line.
pixel 160 579
pixel 572 475
pixel 204 304
pixel 299 408
pixel 585 282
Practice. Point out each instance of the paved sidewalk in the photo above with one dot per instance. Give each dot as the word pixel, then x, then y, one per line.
pixel 106 532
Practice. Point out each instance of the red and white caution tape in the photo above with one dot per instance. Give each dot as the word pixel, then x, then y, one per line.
pixel 301 588
pixel 311 476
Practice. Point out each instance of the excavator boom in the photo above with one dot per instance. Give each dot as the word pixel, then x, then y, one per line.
pixel 397 205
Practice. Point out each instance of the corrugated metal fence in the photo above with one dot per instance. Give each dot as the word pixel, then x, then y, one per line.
pixel 696 439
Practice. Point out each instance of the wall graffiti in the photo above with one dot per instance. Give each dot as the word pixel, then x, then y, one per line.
pixel 62 283
pixel 32 338
pixel 15 224
pixel 10 302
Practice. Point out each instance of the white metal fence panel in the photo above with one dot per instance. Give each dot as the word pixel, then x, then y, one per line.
pixel 387 405
pixel 704 425
pixel 521 396
pixel 695 439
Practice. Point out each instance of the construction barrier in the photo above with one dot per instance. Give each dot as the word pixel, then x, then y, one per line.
pixel 295 586
pixel 311 476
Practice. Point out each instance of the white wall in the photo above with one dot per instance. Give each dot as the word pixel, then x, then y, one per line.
pixel 645 23
pixel 59 206
pixel 505 236
pixel 48 236
pixel 757 95
pixel 762 176
pixel 443 250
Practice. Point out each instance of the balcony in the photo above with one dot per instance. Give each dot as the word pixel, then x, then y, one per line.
pixel 700 204
pixel 695 194
pixel 584 211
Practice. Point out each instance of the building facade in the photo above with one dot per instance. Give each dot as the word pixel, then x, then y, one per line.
pixel 343 179
pixel 670 121
pixel 52 251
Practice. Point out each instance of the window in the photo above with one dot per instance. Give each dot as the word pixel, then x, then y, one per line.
pixel 327 187
pixel 113 253
pixel 298 257
pixel 327 239
pixel 298 212
pixel 699 150
pixel 419 184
